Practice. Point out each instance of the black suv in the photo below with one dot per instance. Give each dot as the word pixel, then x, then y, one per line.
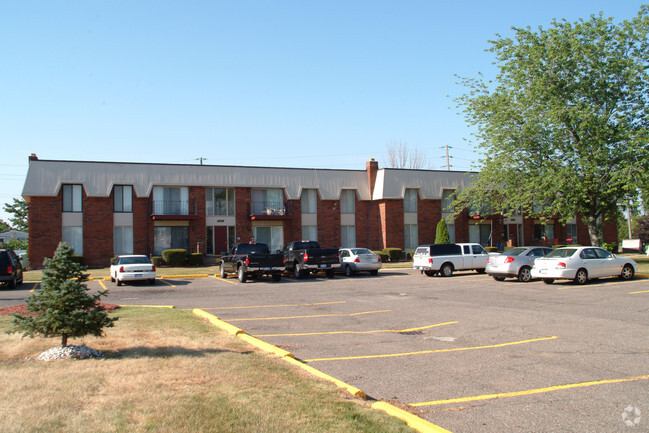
pixel 11 270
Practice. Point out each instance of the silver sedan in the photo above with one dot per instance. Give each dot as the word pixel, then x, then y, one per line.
pixel 515 263
pixel 353 260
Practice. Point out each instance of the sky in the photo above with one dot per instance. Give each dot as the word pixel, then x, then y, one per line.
pixel 317 84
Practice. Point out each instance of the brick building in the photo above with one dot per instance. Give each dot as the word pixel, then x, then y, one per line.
pixel 108 208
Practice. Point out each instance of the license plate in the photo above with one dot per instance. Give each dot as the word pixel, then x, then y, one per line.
pixel 138 275
pixel 266 269
pixel 324 266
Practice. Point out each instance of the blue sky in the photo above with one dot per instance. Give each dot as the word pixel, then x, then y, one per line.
pixel 264 83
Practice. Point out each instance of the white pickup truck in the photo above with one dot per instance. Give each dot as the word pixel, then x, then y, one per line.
pixel 447 258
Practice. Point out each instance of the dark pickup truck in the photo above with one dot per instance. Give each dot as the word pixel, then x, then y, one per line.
pixel 303 257
pixel 252 260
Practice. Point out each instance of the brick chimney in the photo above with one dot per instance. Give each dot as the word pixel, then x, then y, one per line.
pixel 372 167
pixel 33 157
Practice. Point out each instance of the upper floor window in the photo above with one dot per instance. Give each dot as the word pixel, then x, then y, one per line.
pixel 410 201
pixel 170 200
pixel 268 202
pixel 309 201
pixel 220 201
pixel 123 198
pixel 72 195
pixel 447 200
pixel 348 201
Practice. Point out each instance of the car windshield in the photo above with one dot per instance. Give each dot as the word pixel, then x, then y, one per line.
pixel 134 260
pixel 514 251
pixel 562 252
pixel 358 251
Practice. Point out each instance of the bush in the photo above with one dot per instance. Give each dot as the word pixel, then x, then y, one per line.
pixel 157 261
pixel 393 253
pixel 491 249
pixel 611 247
pixel 441 234
pixel 195 259
pixel 176 257
pixel 384 257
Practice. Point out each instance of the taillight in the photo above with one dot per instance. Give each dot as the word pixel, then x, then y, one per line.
pixel 247 261
pixel 379 258
pixel 357 260
pixel 430 261
pixel 10 269
pixel 284 260
pixel 509 259
pixel 306 256
pixel 152 268
pixel 121 268
pixel 561 265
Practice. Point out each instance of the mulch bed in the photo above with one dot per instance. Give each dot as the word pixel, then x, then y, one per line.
pixel 22 309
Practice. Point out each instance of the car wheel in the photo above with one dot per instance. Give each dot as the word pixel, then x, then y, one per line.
pixel 223 273
pixel 375 272
pixel 330 273
pixel 152 281
pixel 119 283
pixel 581 276
pixel 299 274
pixel 277 276
pixel 525 274
pixel 12 283
pixel 242 275
pixel 481 270
pixel 430 273
pixel 627 273
pixel 112 280
pixel 499 278
pixel 548 280
pixel 20 281
pixel 447 270
pixel 348 271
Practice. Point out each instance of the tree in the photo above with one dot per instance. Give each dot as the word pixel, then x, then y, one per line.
pixel 62 307
pixel 20 211
pixel 441 236
pixel 564 128
pixel 401 156
pixel 643 230
pixel 4 227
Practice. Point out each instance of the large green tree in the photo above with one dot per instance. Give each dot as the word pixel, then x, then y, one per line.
pixel 62 307
pixel 19 211
pixel 563 129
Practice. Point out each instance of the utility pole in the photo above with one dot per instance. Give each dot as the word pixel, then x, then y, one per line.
pixel 448 158
pixel 201 159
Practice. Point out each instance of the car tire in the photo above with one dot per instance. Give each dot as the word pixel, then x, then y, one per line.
pixel 446 270
pixel 430 273
pixel 119 283
pixel 12 283
pixel 330 273
pixel 581 277
pixel 499 278
pixel 242 275
pixel 481 270
pixel 627 273
pixel 348 271
pixel 152 282
pixel 224 274
pixel 299 274
pixel 112 280
pixel 276 276
pixel 548 280
pixel 20 281
pixel 374 273
pixel 525 274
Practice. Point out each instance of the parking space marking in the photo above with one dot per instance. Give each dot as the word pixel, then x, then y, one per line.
pixel 225 280
pixel 34 288
pixel 243 307
pixel 427 352
pixel 166 282
pixel 642 291
pixel 357 332
pixel 568 285
pixel 529 391
pixel 306 317
pixel 101 283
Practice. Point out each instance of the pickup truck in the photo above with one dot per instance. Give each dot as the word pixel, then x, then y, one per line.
pixel 251 261
pixel 447 258
pixel 304 257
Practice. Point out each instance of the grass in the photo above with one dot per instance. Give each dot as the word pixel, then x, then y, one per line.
pixel 169 371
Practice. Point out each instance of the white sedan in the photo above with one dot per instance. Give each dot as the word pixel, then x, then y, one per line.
pixel 132 268
pixel 353 260
pixel 581 264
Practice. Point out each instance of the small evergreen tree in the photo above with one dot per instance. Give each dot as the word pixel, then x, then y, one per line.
pixel 62 307
pixel 441 236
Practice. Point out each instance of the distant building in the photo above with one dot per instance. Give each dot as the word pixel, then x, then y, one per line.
pixel 13 234
pixel 104 209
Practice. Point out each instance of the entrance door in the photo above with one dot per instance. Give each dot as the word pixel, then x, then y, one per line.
pixel 220 239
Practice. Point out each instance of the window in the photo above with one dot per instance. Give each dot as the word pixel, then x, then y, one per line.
pixel 174 237
pixel 447 200
pixel 170 201
pixel 451 232
pixel 273 236
pixel 571 233
pixel 73 236
pixel 310 233
pixel 123 240
pixel 348 201
pixel 72 195
pixel 348 236
pixel 309 201
pixel 410 235
pixel 410 201
pixel 268 202
pixel 123 198
pixel 219 201
pixel 543 231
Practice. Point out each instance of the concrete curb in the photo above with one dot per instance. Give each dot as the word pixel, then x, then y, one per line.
pixel 413 421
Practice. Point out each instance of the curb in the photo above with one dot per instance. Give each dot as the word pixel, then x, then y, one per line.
pixel 413 421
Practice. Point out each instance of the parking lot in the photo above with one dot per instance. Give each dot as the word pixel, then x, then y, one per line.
pixel 469 353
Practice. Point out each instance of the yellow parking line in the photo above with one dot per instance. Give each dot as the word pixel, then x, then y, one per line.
pixel 425 352
pixel 101 283
pixel 34 288
pixel 243 307
pixel 225 280
pixel 529 391
pixel 166 282
pixel 355 332
pixel 305 317
pixel 635 293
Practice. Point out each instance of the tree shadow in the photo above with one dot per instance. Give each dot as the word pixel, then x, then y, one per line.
pixel 166 352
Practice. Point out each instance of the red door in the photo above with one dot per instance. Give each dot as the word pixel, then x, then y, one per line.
pixel 220 239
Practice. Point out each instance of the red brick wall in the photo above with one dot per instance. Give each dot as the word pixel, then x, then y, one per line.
pixel 142 226
pixel 462 227
pixel 197 231
pixel 391 212
pixel 429 214
pixel 329 223
pixel 243 200
pixel 293 226
pixel 45 228
pixel 97 230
